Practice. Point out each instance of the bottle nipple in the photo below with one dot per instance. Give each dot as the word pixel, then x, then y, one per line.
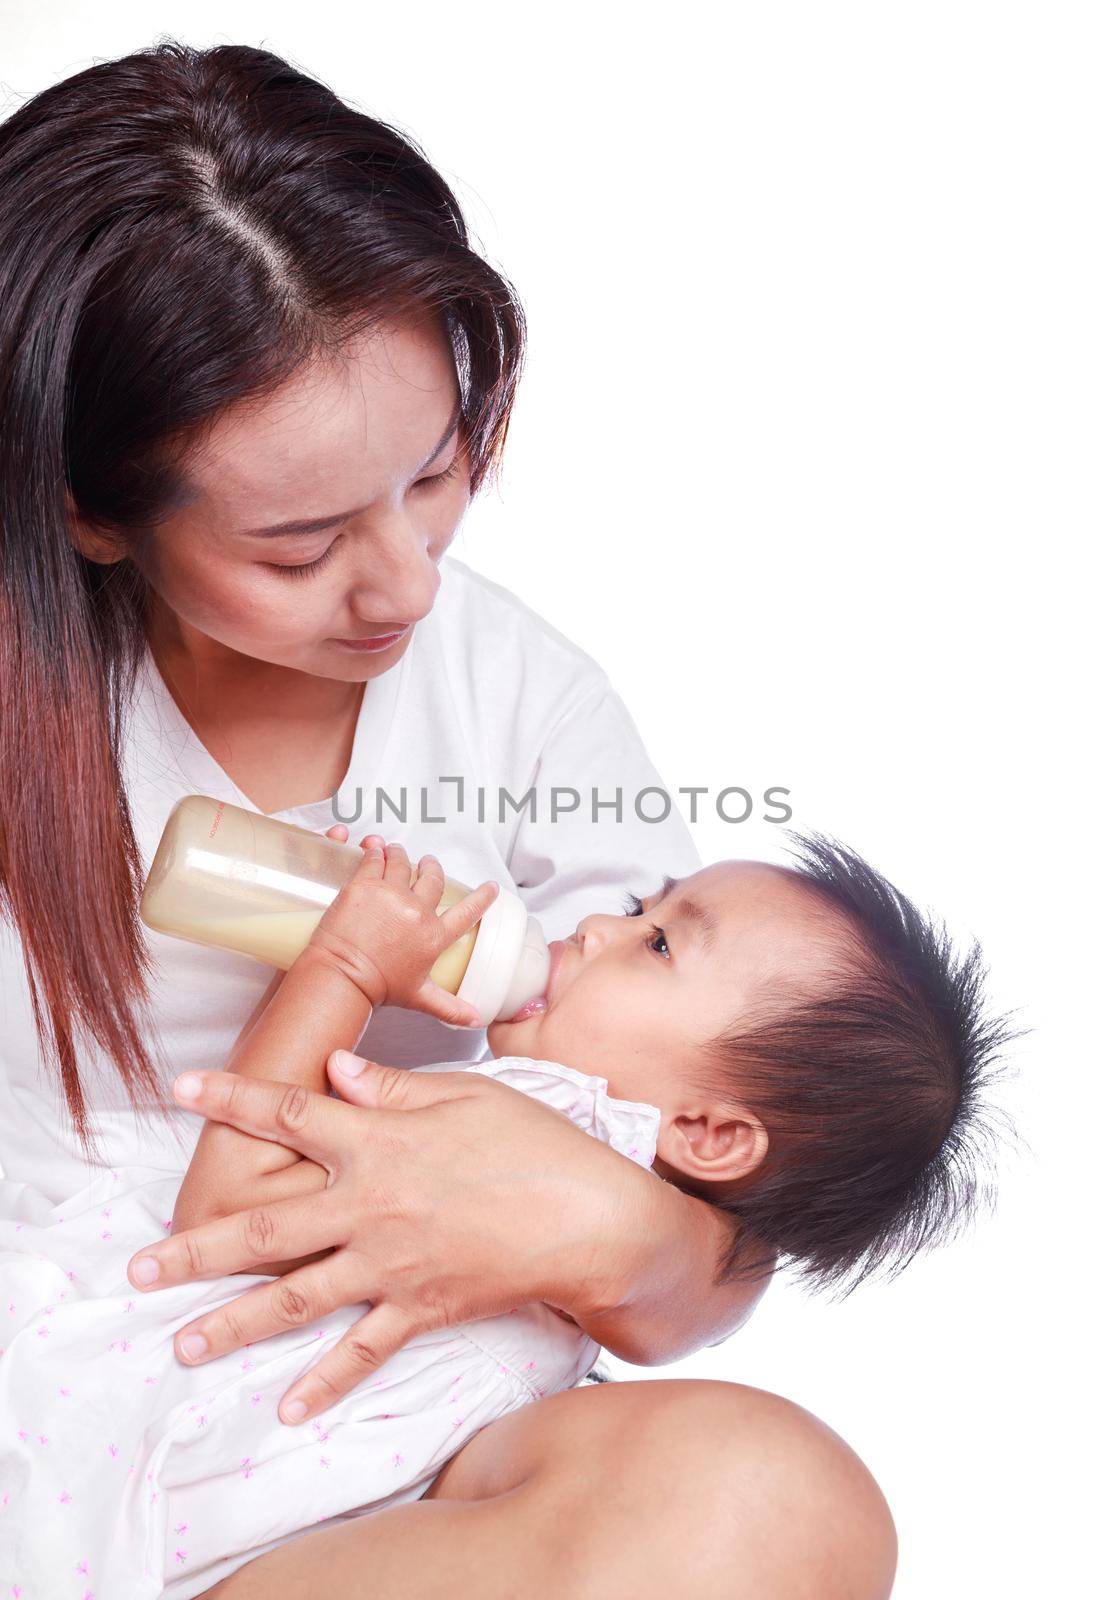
pixel 510 961
pixel 531 971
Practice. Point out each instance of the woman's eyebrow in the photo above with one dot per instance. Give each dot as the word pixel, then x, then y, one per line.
pixel 277 530
pixel 689 911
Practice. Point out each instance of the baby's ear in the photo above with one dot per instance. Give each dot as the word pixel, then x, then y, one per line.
pixel 715 1146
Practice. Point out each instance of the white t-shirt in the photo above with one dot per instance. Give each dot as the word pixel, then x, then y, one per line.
pixel 487 695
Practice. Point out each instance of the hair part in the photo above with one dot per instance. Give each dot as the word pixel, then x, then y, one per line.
pixel 180 229
pixel 872 1091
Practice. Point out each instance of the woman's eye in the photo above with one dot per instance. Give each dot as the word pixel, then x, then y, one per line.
pixel 658 937
pixel 438 477
pixel 307 568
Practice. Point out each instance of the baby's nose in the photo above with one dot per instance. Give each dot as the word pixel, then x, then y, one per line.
pixel 594 931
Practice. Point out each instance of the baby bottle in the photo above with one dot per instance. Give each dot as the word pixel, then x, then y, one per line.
pixel 246 882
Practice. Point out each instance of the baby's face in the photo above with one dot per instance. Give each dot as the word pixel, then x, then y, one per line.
pixel 634 998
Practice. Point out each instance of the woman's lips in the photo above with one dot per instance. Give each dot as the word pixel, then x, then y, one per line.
pixel 541 1002
pixel 382 641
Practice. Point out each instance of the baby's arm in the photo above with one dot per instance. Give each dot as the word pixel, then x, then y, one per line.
pixel 314 1010
pixel 374 945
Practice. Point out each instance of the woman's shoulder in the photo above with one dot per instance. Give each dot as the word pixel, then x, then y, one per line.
pixel 495 629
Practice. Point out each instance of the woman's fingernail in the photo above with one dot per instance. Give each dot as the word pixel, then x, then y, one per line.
pixel 187 1086
pixel 194 1345
pixel 293 1410
pixel 350 1065
pixel 146 1270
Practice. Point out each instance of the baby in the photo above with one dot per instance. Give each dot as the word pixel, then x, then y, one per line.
pixel 813 1044
pixel 796 1045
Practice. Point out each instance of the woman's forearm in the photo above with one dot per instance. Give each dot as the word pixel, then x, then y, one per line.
pixel 314 1011
pixel 673 1305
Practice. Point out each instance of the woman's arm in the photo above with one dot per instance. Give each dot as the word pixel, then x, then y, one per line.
pixel 452 1197
pixel 672 1304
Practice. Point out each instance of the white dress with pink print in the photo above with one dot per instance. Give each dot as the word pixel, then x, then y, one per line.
pixel 125 1475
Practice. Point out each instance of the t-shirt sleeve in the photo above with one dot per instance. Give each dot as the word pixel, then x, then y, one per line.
pixel 579 851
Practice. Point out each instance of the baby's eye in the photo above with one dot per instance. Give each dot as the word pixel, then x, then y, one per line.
pixel 657 941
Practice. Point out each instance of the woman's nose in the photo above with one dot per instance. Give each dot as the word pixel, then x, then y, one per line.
pixel 403 580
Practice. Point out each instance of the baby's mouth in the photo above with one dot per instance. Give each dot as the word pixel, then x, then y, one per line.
pixel 542 1002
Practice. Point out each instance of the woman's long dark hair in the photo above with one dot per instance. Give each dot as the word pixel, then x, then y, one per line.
pixel 179 229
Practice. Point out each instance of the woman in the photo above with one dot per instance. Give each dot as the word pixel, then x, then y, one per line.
pixel 252 374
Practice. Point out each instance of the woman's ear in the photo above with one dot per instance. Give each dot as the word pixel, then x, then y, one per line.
pixel 714 1146
pixel 95 544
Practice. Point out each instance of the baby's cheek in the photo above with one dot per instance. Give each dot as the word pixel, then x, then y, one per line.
pixel 578 1038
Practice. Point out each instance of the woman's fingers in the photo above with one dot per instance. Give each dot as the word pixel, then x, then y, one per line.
pixel 461 917
pixel 292 1301
pixel 367 1345
pixel 282 1230
pixel 367 1083
pixel 310 1123
pixel 338 831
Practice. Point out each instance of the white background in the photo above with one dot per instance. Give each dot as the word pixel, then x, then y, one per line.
pixel 813 454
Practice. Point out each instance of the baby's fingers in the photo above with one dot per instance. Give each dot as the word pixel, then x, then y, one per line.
pixel 398 868
pixel 373 863
pixel 467 912
pixel 429 884
pixel 439 1003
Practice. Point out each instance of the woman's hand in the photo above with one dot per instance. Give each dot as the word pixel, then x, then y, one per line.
pixel 383 932
pixel 448 1197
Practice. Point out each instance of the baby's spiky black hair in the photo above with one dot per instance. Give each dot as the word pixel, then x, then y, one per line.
pixel 873 1094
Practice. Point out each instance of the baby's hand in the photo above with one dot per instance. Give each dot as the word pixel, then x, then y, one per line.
pixel 385 934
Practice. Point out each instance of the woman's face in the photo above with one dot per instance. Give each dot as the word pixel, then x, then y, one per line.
pixel 361 455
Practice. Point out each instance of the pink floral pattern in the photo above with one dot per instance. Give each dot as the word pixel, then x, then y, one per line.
pixel 142 1472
